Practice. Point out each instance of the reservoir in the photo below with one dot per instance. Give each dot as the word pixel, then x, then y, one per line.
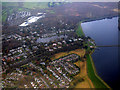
pixel 105 32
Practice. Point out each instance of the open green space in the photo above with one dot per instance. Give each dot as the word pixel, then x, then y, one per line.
pixel 79 30
pixel 9 3
pixel 4 17
pixel 50 11
pixel 32 5
pixel 20 9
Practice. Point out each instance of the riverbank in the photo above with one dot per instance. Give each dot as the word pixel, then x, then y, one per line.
pixel 79 30
pixel 92 74
pixel 95 19
pixel 96 80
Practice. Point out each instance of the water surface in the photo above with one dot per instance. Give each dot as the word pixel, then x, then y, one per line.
pixel 105 32
pixel 52 38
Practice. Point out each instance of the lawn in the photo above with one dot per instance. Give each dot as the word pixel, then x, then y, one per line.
pixel 96 80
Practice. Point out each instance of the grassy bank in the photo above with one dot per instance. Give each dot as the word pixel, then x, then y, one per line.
pixel 79 30
pixel 96 80
pixel 92 74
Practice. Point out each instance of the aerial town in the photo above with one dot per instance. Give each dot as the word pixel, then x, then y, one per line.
pixel 58 73
pixel 32 37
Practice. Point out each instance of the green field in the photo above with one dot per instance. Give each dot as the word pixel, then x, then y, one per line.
pixel 79 31
pixel 4 16
pixel 5 13
pixel 32 5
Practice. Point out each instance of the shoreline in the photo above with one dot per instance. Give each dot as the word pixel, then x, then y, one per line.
pixel 93 66
pixel 96 74
pixel 89 20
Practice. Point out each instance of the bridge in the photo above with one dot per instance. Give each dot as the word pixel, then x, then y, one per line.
pixel 108 46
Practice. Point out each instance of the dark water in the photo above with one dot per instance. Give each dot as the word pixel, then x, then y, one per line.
pixel 48 39
pixel 105 32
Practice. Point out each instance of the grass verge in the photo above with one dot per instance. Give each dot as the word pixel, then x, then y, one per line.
pixel 79 30
pixel 92 74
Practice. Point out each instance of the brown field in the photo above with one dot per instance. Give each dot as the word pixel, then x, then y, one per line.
pixel 80 52
pixel 83 74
